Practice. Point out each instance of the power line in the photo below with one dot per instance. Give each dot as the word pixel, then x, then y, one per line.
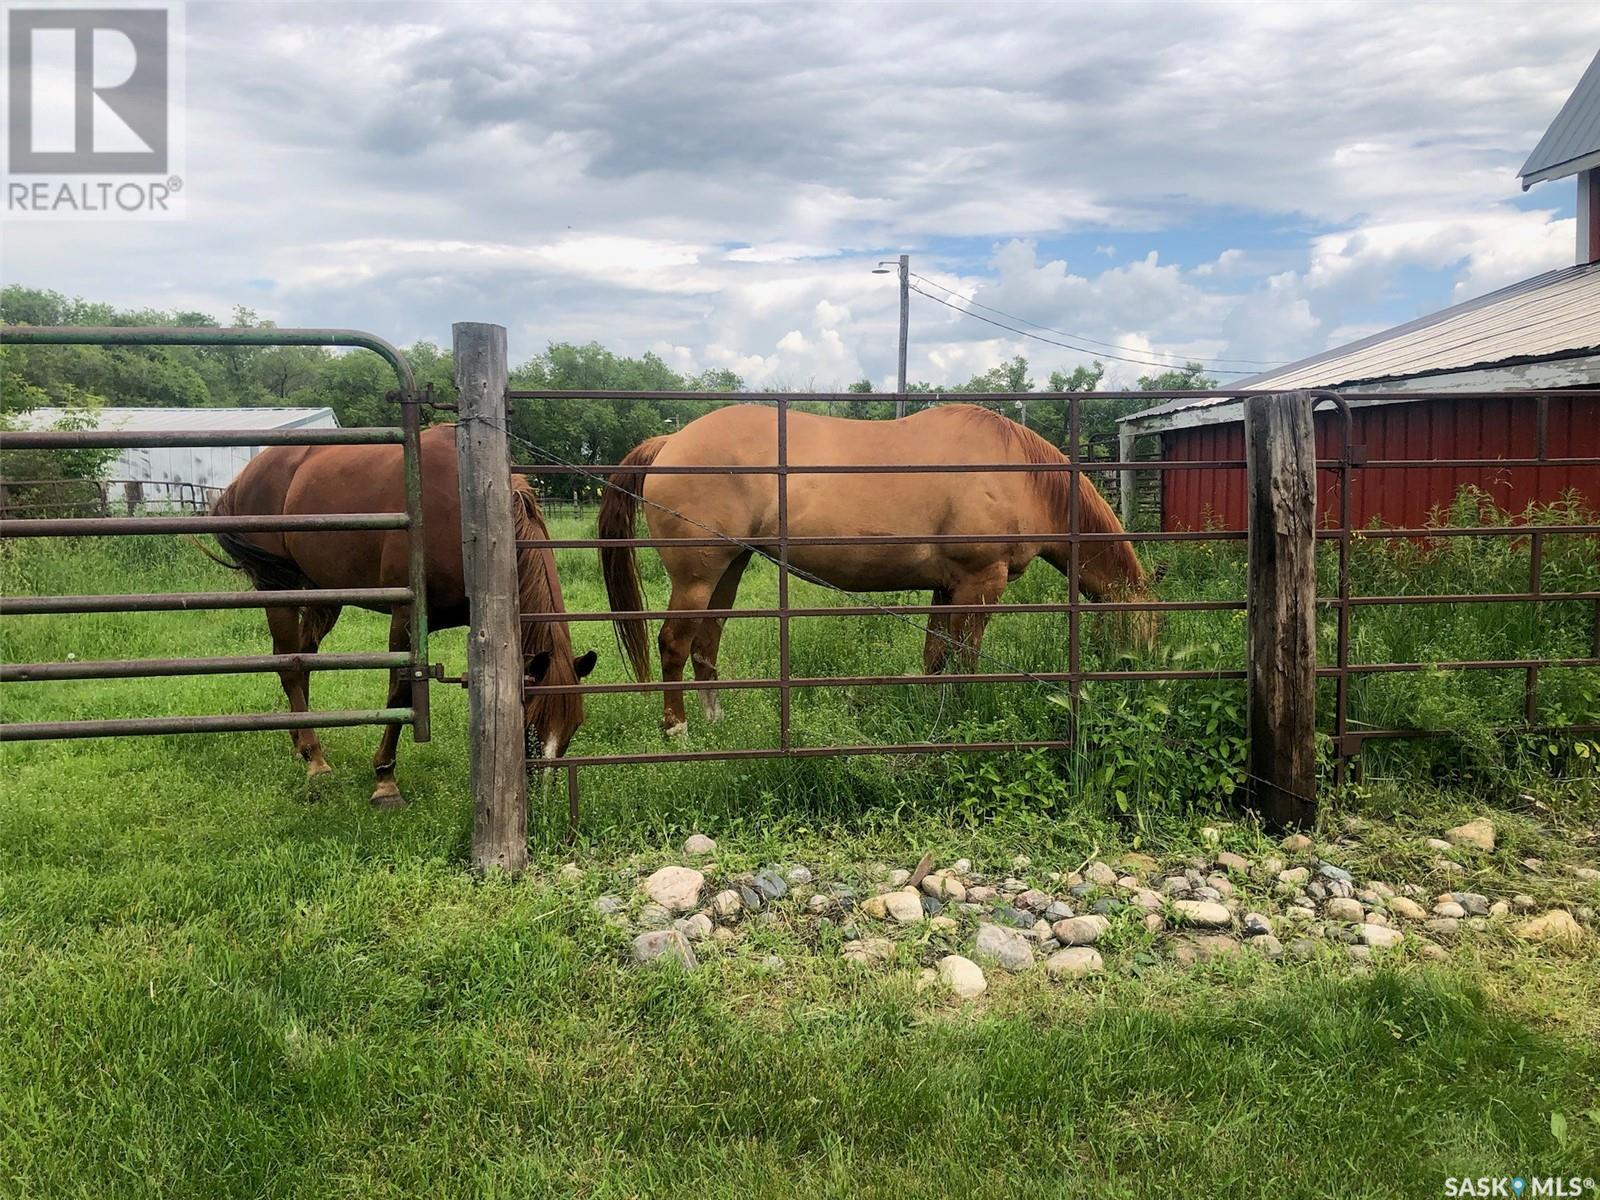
pixel 1142 362
pixel 1082 337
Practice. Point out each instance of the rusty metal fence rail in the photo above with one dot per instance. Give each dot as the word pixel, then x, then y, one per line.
pixel 1332 526
pixel 414 661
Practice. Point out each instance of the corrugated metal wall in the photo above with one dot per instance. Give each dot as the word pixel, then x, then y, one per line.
pixel 1446 428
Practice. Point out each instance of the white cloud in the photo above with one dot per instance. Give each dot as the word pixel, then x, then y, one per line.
pixel 717 183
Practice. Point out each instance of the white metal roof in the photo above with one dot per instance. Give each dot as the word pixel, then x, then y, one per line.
pixel 1549 317
pixel 189 418
pixel 1572 143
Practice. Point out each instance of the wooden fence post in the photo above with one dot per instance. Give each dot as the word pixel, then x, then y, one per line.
pixel 1281 462
pixel 494 639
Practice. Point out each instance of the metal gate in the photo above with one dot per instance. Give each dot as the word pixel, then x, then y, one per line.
pixel 413 662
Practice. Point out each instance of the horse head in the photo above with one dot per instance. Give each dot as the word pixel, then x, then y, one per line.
pixel 552 718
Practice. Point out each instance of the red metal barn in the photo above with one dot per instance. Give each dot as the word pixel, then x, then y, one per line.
pixel 1538 340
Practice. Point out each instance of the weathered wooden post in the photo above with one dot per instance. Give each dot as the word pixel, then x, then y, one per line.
pixel 494 639
pixel 1281 462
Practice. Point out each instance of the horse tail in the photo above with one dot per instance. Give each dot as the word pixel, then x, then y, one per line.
pixel 618 564
pixel 267 572
pixel 210 553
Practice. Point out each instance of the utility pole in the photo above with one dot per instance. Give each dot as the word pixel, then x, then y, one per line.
pixel 905 330
pixel 903 268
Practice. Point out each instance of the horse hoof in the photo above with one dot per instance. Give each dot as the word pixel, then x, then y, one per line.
pixel 320 767
pixel 679 730
pixel 389 801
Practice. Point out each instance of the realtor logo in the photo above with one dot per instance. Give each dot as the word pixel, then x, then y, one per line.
pixel 93 91
pixel 88 91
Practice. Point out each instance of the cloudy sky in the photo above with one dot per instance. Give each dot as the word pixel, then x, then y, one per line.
pixel 714 183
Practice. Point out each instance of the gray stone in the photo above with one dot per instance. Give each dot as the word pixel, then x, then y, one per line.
pixel 798 876
pixel 1106 906
pixel 1145 898
pixel 1229 861
pixel 1302 948
pixel 1523 902
pixel 1057 910
pixel 696 928
pixel 1006 915
pixel 1328 871
pixel 1175 885
pixel 1340 909
pixel 1341 889
pixel 962 976
pixel 944 888
pixel 980 895
pixel 1074 962
pixel 904 906
pixel 1268 945
pixel 1255 924
pixel 1004 946
pixel 1294 876
pixel 1154 922
pixel 750 897
pixel 727 903
pixel 698 845
pixel 1099 874
pixel 819 903
pixel 931 907
pixel 1379 936
pixel 1079 890
pixel 1080 931
pixel 899 877
pixel 1444 926
pixel 769 884
pixel 1475 904
pixel 1220 884
pixel 1449 908
pixel 676 889
pixel 1438 844
pixel 1206 893
pixel 610 905
pixel 1202 913
pixel 664 945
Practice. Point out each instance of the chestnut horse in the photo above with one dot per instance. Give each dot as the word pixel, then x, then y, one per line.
pixel 304 480
pixel 745 507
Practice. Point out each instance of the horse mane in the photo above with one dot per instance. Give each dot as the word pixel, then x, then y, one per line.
pixel 1054 488
pixel 539 591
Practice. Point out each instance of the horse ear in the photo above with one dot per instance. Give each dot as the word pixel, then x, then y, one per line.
pixel 537 666
pixel 584 663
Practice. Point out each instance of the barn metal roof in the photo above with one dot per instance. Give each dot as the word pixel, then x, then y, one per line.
pixel 190 418
pixel 1554 315
pixel 1572 143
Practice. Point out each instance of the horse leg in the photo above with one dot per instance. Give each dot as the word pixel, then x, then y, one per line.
pixel 315 624
pixel 708 638
pixel 676 642
pixel 284 625
pixel 385 792
pixel 936 647
pixel 981 587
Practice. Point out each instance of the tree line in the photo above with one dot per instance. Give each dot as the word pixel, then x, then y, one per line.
pixel 354 384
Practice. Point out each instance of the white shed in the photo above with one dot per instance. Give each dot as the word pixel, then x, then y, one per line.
pixel 183 476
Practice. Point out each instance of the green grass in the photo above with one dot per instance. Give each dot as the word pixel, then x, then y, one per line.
pixel 217 980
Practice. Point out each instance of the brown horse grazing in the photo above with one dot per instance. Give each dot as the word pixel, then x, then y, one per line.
pixel 304 480
pixel 745 507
